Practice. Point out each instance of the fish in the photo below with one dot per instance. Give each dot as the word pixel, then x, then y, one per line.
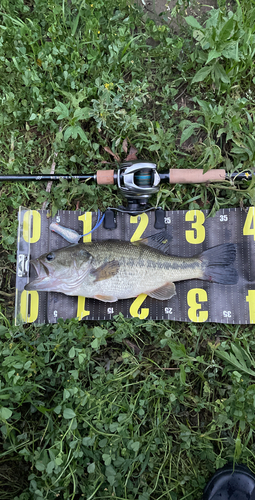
pixel 112 270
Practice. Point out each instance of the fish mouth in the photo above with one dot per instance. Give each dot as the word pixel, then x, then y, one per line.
pixel 41 268
pixel 41 281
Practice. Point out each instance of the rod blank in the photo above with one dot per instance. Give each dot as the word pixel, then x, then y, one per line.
pixel 173 176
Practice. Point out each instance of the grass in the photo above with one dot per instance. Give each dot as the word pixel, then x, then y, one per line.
pixel 126 409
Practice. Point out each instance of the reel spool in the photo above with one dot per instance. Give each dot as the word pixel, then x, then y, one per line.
pixel 138 181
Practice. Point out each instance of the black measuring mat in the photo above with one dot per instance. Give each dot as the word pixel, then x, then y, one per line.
pixel 189 232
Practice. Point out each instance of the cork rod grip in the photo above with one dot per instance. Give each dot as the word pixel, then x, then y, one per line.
pixel 105 177
pixel 196 176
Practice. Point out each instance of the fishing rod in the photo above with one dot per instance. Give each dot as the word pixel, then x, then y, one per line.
pixel 138 180
pixel 144 174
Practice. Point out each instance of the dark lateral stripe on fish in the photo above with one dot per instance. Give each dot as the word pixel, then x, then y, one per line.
pixel 131 262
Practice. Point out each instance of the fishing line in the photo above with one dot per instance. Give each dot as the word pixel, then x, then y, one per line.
pixel 98 223
pixel 71 235
pixel 133 211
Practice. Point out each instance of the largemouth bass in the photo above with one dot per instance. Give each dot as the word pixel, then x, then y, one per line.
pixel 112 270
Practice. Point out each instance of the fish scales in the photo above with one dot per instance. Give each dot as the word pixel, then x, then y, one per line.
pixel 145 270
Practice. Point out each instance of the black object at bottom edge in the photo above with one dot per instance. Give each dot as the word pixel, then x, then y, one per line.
pixel 231 483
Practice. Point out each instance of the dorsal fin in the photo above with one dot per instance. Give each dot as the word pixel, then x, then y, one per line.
pixel 160 241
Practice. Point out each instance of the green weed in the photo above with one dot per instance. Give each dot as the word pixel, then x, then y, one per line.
pixel 228 46
pixel 93 418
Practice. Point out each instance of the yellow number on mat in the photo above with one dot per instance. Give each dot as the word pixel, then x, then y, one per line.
pixel 136 305
pixel 194 306
pixel 249 221
pixel 250 298
pixel 81 312
pixel 32 218
pixel 197 233
pixel 87 226
pixel 144 220
pixel 29 317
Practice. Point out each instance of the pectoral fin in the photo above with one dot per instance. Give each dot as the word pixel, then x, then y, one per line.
pixel 164 292
pixel 107 270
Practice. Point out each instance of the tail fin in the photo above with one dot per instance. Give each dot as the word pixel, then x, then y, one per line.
pixel 217 264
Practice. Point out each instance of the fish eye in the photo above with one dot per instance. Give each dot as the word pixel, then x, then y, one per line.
pixel 50 256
